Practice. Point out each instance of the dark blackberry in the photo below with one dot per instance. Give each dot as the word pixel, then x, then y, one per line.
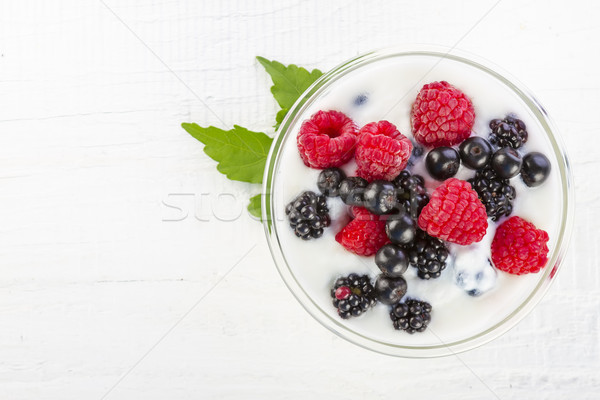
pixel 427 254
pixel 308 215
pixel 495 193
pixel 353 295
pixel 411 316
pixel 411 193
pixel 509 131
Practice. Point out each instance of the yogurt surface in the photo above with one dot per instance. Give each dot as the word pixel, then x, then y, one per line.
pixel 385 90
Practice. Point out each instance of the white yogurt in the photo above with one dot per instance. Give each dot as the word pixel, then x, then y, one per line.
pixel 390 87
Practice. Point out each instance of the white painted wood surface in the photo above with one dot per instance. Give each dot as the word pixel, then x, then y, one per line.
pixel 100 297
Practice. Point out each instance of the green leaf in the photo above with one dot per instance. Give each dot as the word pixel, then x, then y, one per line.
pixel 241 153
pixel 254 206
pixel 288 83
pixel 279 117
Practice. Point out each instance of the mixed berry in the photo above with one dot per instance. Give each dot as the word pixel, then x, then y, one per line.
pixel 404 219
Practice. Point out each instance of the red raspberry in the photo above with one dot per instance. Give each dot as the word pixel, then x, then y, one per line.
pixel 343 292
pixel 362 214
pixel 364 235
pixel 382 151
pixel 327 139
pixel 519 247
pixel 441 115
pixel 454 213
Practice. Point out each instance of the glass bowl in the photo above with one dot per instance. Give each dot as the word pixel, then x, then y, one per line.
pixel 284 176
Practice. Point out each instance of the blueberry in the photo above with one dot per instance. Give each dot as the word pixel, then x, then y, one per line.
pixel 329 181
pixel 360 99
pixel 442 163
pixel 380 197
pixel 506 162
pixel 417 152
pixel 351 190
pixel 401 229
pixel 475 152
pixel 390 290
pixel 391 260
pixel 472 275
pixel 535 169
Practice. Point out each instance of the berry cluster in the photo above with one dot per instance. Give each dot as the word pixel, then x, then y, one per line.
pixel 394 217
pixel 493 170
pixel 330 139
pixel 353 295
pixel 499 155
pixel 308 215
pixel 405 192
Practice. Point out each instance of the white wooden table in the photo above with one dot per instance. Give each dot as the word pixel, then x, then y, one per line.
pixel 102 298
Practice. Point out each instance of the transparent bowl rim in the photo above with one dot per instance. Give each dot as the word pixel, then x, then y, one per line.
pixel 555 260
